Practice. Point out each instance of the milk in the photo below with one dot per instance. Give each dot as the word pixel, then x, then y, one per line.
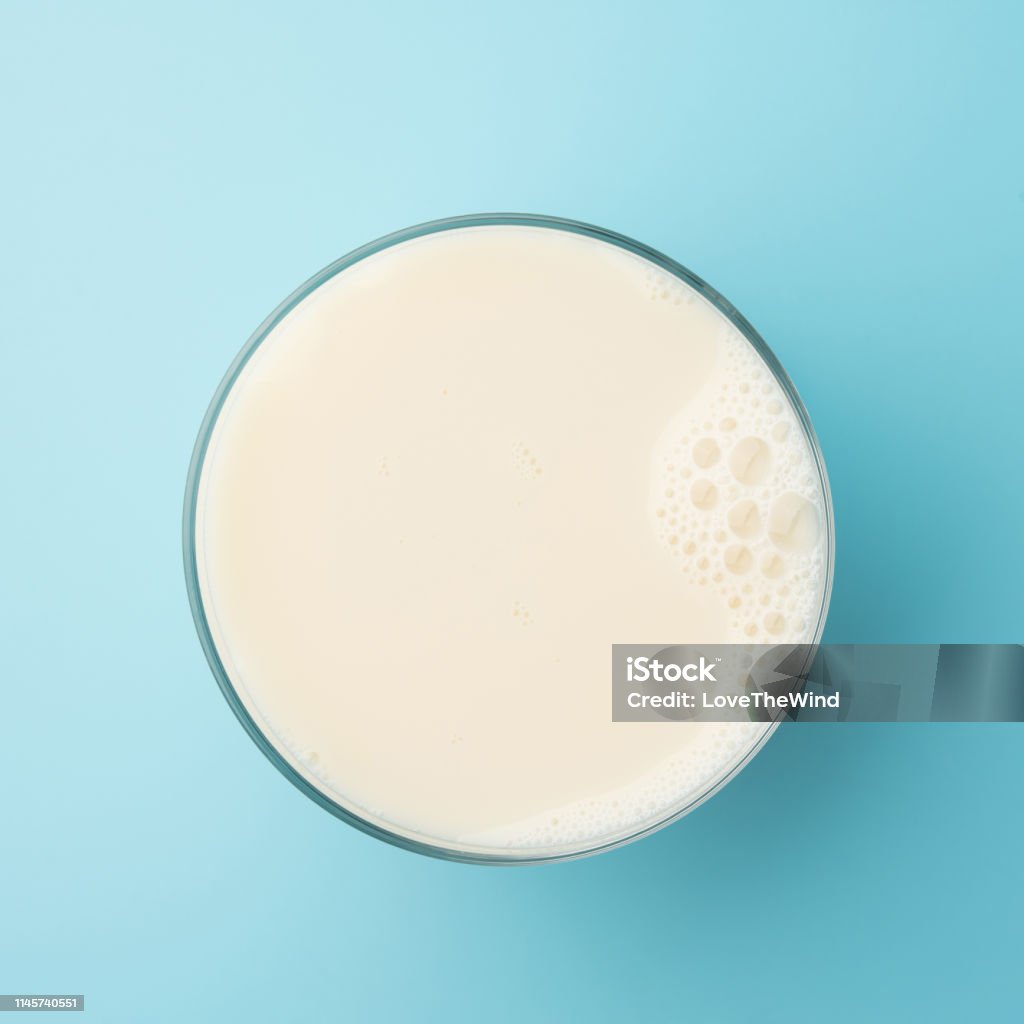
pixel 448 481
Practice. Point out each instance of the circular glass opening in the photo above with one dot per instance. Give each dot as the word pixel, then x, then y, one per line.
pixel 437 485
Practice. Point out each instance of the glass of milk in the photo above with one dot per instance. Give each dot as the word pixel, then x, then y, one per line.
pixel 443 478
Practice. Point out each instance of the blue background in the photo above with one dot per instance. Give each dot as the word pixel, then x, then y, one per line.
pixel 850 175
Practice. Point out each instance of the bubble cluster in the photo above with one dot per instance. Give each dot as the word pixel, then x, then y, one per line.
pixel 737 501
pixel 712 752
pixel 526 461
pixel 521 614
pixel 662 286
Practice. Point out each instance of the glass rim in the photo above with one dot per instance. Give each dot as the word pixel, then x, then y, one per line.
pixel 392 834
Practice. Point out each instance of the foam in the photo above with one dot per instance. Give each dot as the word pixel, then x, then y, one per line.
pixel 736 498
pixel 682 779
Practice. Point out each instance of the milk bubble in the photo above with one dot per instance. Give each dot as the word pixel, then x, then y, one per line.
pixel 750 460
pixel 793 523
pixel 744 519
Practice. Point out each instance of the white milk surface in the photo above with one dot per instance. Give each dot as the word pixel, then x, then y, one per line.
pixel 448 481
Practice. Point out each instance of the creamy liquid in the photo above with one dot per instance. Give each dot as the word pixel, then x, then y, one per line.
pixel 448 481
